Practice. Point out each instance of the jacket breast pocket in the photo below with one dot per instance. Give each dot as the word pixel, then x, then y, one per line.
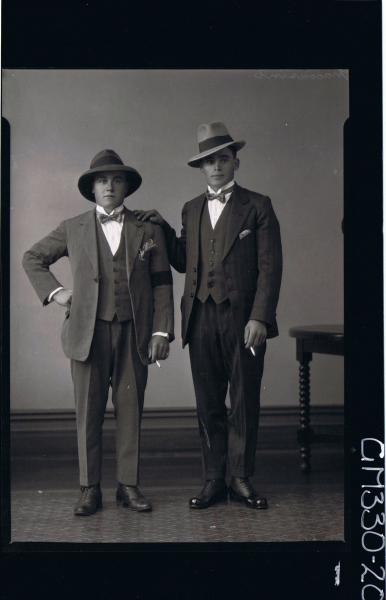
pixel 245 233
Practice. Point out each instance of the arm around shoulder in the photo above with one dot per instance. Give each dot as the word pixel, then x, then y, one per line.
pixel 176 246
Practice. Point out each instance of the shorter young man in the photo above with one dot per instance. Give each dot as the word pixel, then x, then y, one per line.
pixel 119 318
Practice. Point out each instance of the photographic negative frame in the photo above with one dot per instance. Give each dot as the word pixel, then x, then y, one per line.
pixel 305 38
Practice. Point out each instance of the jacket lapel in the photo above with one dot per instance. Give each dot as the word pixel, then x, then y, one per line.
pixel 133 231
pixel 88 233
pixel 239 211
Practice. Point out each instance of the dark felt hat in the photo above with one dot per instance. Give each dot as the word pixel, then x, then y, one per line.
pixel 211 138
pixel 107 160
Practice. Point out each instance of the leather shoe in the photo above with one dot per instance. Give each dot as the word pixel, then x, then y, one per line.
pixel 131 496
pixel 213 491
pixel 89 502
pixel 241 490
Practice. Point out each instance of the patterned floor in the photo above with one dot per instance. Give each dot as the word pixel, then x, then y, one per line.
pixel 300 508
pixel 293 515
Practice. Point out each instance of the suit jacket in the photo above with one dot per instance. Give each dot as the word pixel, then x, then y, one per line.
pixel 252 262
pixel 148 274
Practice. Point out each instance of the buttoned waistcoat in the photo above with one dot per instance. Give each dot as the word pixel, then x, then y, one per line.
pixel 251 258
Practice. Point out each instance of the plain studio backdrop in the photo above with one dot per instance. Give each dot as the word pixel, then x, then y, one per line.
pixel 292 122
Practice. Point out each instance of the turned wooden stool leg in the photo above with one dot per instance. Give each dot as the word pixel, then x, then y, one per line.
pixel 304 431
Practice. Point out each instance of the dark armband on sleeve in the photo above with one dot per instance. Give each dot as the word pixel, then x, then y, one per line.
pixel 161 278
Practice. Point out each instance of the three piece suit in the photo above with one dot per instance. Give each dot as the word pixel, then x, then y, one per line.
pixel 118 302
pixel 233 274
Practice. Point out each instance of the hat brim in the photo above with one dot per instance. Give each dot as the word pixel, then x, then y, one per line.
pixel 86 180
pixel 196 160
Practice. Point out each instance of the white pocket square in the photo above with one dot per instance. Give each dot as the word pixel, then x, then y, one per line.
pixel 146 247
pixel 244 233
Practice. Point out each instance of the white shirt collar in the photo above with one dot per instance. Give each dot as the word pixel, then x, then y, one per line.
pixel 223 189
pixel 116 210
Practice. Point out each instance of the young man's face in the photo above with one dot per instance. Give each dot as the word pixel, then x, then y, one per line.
pixel 110 189
pixel 219 168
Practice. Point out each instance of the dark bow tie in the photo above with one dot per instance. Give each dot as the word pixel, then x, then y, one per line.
pixel 221 196
pixel 106 218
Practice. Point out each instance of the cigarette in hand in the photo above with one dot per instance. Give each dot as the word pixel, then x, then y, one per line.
pixel 157 363
pixel 253 352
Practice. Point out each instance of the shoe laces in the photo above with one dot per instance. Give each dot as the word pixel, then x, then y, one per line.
pixel 86 489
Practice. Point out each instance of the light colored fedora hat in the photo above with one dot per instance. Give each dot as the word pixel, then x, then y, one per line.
pixel 211 138
pixel 107 160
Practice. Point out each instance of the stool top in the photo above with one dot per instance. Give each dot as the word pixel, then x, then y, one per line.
pixel 320 331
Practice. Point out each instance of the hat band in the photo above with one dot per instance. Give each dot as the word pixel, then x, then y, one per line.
pixel 214 142
pixel 106 160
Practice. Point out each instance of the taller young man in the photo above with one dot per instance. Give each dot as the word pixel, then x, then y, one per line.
pixel 230 250
pixel 119 318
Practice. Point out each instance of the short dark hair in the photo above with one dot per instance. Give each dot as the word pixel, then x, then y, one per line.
pixel 231 148
pixel 121 173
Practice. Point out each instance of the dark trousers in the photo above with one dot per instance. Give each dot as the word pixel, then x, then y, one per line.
pixel 218 358
pixel 113 361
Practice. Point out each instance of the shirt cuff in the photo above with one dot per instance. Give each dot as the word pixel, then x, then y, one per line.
pixel 52 294
pixel 161 333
